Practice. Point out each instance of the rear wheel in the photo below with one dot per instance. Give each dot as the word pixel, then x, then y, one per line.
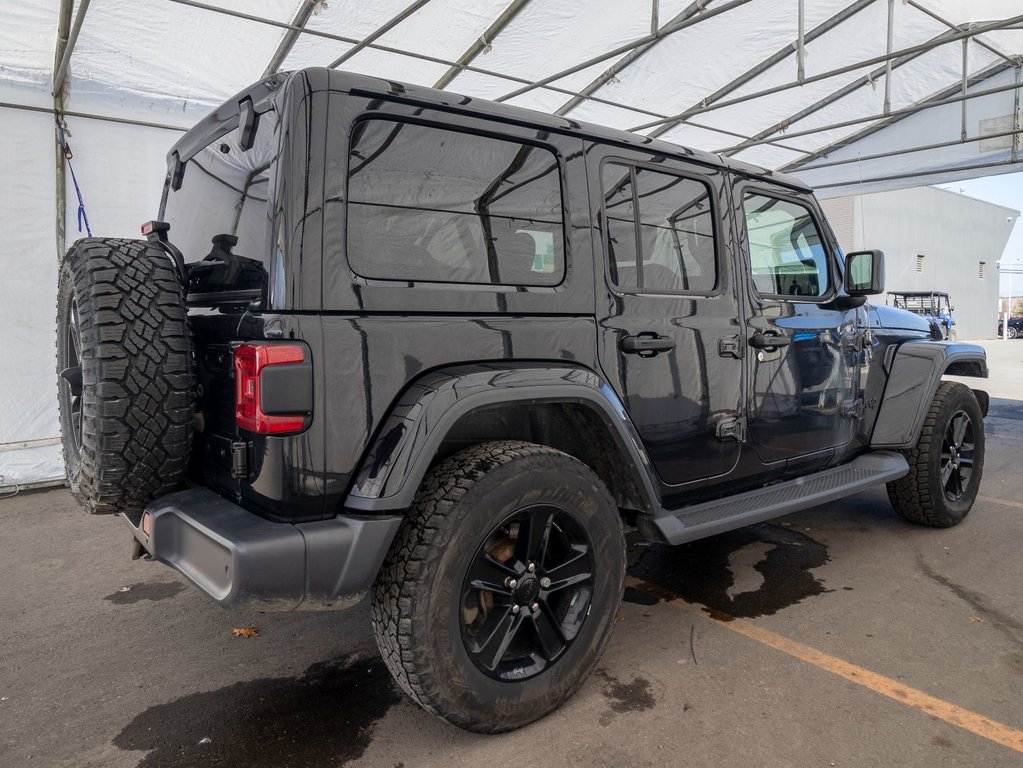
pixel 500 591
pixel 946 465
pixel 1012 333
pixel 124 368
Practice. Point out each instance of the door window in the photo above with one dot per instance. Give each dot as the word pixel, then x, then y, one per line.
pixel 786 252
pixel 668 221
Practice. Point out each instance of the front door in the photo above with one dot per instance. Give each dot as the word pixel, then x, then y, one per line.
pixel 804 350
pixel 669 325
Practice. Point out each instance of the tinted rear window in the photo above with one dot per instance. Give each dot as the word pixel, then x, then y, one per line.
pixel 430 204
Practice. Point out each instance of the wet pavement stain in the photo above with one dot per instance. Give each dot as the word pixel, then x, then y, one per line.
pixel 158 590
pixel 324 717
pixel 700 572
pixel 624 697
pixel 639 597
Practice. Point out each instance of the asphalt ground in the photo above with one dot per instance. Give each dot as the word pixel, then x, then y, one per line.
pixel 839 636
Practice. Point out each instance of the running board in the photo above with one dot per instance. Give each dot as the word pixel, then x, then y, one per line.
pixel 726 514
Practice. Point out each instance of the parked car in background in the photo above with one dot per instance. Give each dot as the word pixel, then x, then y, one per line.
pixel 1015 327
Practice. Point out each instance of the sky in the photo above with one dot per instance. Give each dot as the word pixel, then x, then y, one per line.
pixel 1007 190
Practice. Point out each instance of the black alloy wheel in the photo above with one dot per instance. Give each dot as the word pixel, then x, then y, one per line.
pixel 957 456
pixel 946 465
pixel 527 593
pixel 501 588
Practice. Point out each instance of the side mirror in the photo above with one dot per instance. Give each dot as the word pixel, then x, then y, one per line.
pixel 864 273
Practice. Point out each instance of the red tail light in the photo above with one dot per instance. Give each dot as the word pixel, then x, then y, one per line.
pixel 251 410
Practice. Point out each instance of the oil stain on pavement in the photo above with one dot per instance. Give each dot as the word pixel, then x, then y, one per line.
pixel 702 572
pixel 157 590
pixel 324 717
pixel 624 697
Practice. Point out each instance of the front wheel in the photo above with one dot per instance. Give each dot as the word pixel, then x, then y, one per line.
pixel 500 591
pixel 1012 333
pixel 946 465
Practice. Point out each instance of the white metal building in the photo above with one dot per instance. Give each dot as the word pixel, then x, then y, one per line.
pixel 933 239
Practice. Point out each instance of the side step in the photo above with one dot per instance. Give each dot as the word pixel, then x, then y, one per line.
pixel 731 512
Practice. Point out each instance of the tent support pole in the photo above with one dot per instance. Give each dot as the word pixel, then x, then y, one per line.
pixel 484 42
pixel 941 20
pixel 667 29
pixel 1015 113
pixel 801 43
pixel 915 174
pixel 377 33
pixel 909 151
pixel 613 71
pixel 60 174
pixel 69 46
pixel 966 77
pixel 291 37
pixel 758 69
pixel 1015 22
pixel 888 64
pixel 948 95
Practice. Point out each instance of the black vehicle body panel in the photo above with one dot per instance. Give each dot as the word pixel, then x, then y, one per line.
pixel 405 372
pixel 914 373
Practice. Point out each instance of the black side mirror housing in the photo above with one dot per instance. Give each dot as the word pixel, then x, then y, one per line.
pixel 864 273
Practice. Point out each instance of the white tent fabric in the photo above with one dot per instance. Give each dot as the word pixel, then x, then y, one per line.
pixel 850 95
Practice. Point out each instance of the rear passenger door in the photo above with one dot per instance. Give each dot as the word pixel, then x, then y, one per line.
pixel 668 336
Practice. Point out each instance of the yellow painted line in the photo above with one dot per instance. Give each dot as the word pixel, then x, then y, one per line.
pixel 963 718
pixel 1006 502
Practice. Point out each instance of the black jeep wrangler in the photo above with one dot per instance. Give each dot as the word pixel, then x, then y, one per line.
pixel 385 338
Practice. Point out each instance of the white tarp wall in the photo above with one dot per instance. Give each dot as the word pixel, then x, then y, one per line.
pixel 801 85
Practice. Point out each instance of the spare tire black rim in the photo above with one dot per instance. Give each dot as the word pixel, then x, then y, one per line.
pixel 527 593
pixel 957 455
pixel 71 375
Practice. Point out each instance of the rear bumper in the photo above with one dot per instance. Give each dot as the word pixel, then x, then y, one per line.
pixel 240 559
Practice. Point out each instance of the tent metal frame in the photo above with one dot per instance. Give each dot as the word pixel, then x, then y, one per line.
pixel 291 36
pixel 952 36
pixel 943 97
pixel 904 111
pixel 697 12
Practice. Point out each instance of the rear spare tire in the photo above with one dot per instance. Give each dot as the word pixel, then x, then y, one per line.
pixel 124 368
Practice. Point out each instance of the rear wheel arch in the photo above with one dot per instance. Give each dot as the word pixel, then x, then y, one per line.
pixel 566 407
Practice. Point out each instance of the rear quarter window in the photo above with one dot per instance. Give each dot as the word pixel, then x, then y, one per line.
pixel 436 205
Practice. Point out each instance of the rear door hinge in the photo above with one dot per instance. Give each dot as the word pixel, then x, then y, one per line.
pixel 733 428
pixel 239 460
pixel 732 346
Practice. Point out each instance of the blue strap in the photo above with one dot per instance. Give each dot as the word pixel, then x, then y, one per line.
pixel 82 217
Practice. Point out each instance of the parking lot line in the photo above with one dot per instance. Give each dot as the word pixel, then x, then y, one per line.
pixel 996 500
pixel 955 715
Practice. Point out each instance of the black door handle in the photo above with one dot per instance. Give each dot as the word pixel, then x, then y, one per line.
pixel 646 344
pixel 769 340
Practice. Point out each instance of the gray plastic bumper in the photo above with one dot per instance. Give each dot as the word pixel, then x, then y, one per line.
pixel 240 559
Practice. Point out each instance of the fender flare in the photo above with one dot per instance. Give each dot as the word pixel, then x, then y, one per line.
pixel 914 374
pixel 397 460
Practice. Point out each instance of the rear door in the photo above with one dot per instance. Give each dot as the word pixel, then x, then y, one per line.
pixel 804 349
pixel 668 336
